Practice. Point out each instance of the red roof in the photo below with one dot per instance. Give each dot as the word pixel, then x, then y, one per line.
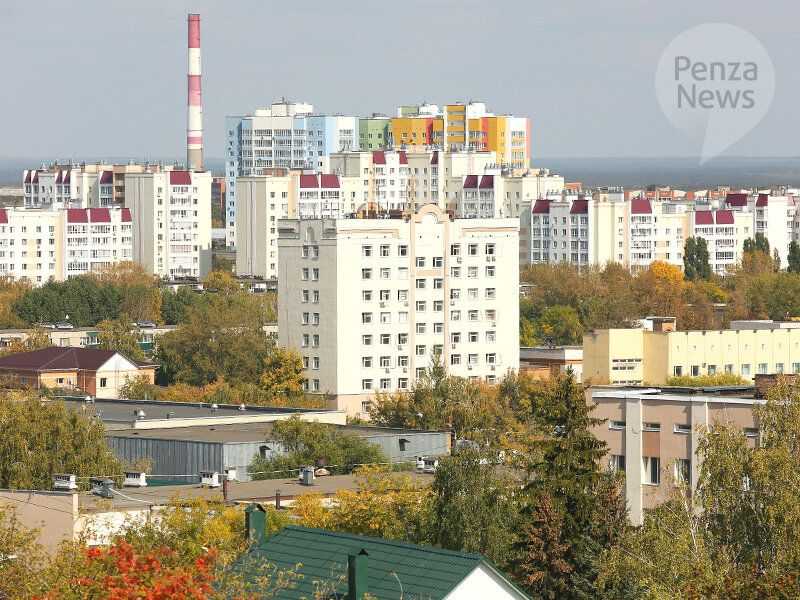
pixel 328 181
pixel 36 177
pixel 487 182
pixel 579 207
pixel 403 157
pixel 736 199
pixel 471 182
pixel 541 207
pixel 126 215
pixel 762 200
pixel 58 358
pixel 309 181
pixel 435 158
pixel 703 217
pixel 724 217
pixel 27 176
pixel 67 175
pixel 379 157
pixel 58 177
pixel 180 178
pixel 107 177
pixel 3 216
pixel 77 215
pixel 641 206
pixel 99 215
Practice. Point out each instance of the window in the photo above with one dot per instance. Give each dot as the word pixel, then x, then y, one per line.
pixel 455 338
pixel 762 368
pixel 365 273
pixel 490 293
pixel 472 359
pixel 420 284
pixel 366 251
pixel 455 294
pixel 729 368
pixel 402 250
pixel 314 274
pixel 419 350
pixel 490 337
pixel 616 424
pixel 695 370
pixel 386 317
pixel 438 284
pixel 712 369
pixel 366 296
pixel 616 462
pixel 438 262
pixel 386 273
pixel 366 362
pixel 683 428
pixel 455 315
pixel 490 271
pixel 651 426
pixel 420 306
pixel 455 359
pixel 366 340
pixel 746 370
pixel 472 249
pixel 489 249
pixel 305 274
pixel 455 249
pixel 385 361
pixel 491 359
pixel 402 361
pixel 402 295
pixel 421 328
pixel 795 367
pixel 402 273
pixel 315 362
pixel 315 319
pixel 386 384
pixel 402 383
pixel 472 272
pixel 315 341
pixel 305 296
pixel 366 405
pixel 455 272
pixel 366 318
pixel 315 297
pixel 366 385
pixel 305 340
pixel 402 339
pixel 683 474
pixel 677 370
pixel 472 315
pixel 491 314
pixel 438 328
pixel 651 470
pixel 306 318
pixel 472 293
pixel 103 382
pixel 384 251
pixel 420 262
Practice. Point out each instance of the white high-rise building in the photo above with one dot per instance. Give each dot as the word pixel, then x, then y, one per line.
pixel 368 302
pixel 171 221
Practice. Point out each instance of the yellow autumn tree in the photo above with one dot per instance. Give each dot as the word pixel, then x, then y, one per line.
pixel 283 373
pixel 221 281
pixel 659 289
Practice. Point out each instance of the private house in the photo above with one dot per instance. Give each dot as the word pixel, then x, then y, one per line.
pixel 96 372
pixel 354 565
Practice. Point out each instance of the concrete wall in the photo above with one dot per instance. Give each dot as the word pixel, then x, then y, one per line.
pixel 53 513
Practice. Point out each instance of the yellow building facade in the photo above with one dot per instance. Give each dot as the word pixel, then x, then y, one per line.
pixel 636 356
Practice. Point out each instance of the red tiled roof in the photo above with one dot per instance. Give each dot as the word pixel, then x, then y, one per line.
pixel 471 182
pixel 641 206
pixel 57 358
pixel 724 217
pixel 736 199
pixel 403 157
pixel 703 217
pixel 3 216
pixel 126 215
pixel 487 182
pixel 435 158
pixel 58 177
pixel 328 181
pixel 67 176
pixel 579 207
pixel 762 200
pixel 309 181
pixel 180 178
pixel 36 177
pixel 108 177
pixel 379 157
pixel 541 207
pixel 99 215
pixel 27 176
pixel 77 215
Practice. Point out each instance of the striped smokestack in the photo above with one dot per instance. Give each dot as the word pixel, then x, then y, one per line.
pixel 194 126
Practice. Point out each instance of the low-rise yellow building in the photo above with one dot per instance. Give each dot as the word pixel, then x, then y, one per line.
pixel 635 356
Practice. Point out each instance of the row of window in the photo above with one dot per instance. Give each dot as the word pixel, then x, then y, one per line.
pixel 762 369
pixel 402 273
pixel 651 469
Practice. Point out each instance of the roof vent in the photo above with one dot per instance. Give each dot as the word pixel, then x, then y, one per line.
pixel 65 481
pixel 214 408
pixel 135 479
pixel 139 414
pixel 103 488
pixel 242 407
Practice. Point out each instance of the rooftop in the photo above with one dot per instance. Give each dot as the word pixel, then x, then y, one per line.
pixel 57 358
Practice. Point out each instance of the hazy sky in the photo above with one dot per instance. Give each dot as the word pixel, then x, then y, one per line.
pixel 91 78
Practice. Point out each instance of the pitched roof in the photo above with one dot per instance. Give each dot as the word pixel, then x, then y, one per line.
pixel 99 215
pixel 541 207
pixel 471 182
pixel 724 217
pixel 423 571
pixel 180 178
pixel 579 207
pixel 487 182
pixel 107 177
pixel 763 200
pixel 402 157
pixel 126 215
pixel 641 206
pixel 378 157
pixel 703 217
pixel 58 358
pixel 77 215
pixel 3 216
pixel 309 181
pixel 736 199
pixel 435 158
pixel 328 181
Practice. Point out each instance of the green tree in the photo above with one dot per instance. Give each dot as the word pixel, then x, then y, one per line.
pixel 473 507
pixel 758 244
pixel 793 258
pixel 83 299
pixel 561 326
pixel 138 388
pixel 44 438
pixel 696 263
pixel 302 442
pixel 118 334
pixel 175 304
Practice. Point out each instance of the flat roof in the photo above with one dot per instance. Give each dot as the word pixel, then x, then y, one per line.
pixel 243 432
pixel 237 491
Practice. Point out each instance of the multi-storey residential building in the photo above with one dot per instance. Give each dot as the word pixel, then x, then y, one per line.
pixel 383 176
pixel 465 126
pixel 637 355
pixel 171 221
pixel 369 302
pixel 375 132
pixel 40 245
pixel 654 437
pixel 287 135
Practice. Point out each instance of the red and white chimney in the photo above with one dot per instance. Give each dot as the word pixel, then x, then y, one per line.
pixel 194 125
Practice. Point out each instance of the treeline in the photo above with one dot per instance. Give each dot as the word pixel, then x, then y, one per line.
pixel 560 301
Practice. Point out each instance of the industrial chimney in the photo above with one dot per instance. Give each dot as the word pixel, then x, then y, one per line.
pixel 194 126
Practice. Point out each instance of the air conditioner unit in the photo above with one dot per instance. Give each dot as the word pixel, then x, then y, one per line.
pixel 405 303
pixel 469 367
pixel 458 259
pixel 453 346
pixel 387 369
pixel 399 346
pixel 492 367
pixel 405 369
pixel 490 258
pixel 452 302
pixel 494 323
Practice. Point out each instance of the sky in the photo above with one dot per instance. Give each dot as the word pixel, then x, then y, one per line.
pixel 96 78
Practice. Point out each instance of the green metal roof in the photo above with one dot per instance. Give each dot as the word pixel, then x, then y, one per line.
pixel 424 571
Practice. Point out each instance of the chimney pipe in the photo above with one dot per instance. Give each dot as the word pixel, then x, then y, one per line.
pixel 194 125
pixel 255 522
pixel 357 571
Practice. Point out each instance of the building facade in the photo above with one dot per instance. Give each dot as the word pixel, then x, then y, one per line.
pixel 368 303
pixel 171 228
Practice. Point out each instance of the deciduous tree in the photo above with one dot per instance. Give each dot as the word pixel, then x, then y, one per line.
pixel 119 334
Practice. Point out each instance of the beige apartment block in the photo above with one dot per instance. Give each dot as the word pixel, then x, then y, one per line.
pixel 367 302
pixel 653 437
pixel 636 356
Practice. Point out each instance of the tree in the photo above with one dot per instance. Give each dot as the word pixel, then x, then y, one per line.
pixel 20 556
pixel 174 304
pixel 302 442
pixel 561 326
pixel 138 388
pixel 222 339
pixel 35 339
pixel 283 373
pixel 696 259
pixel 222 281
pixel 758 244
pixel 793 258
pixel 473 508
pixel 659 289
pixel 44 438
pixel 84 299
pixel 118 334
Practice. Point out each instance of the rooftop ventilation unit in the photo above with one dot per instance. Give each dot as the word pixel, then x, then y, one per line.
pixel 64 481
pixel 135 479
pixel 209 479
